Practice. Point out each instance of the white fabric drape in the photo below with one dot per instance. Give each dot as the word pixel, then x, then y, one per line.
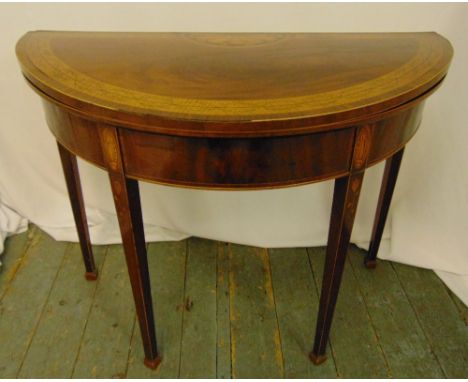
pixel 10 223
pixel 429 218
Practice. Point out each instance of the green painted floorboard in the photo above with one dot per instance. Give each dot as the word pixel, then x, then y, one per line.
pixel 462 308
pixel 221 310
pixel 198 353
pixel 106 339
pixel 67 308
pixel 23 302
pixel 354 343
pixel 255 339
pixel 437 316
pixel 401 337
pixel 166 264
pixel 297 306
pixel 223 326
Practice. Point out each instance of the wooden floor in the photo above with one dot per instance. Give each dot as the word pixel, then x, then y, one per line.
pixel 222 310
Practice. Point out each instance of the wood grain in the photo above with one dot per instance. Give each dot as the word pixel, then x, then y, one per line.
pixel 17 325
pixel 198 352
pixel 63 321
pixel 79 136
pixel 345 201
pixel 236 162
pixel 152 78
pixel 297 302
pixel 402 340
pixel 104 347
pixel 233 111
pixel 255 338
pixel 75 194
pixel 427 299
pixel 223 325
pixel 390 175
pixel 128 207
pixel 353 341
pixel 430 300
pixel 167 265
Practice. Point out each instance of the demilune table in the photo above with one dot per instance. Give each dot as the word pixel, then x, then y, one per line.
pixel 233 111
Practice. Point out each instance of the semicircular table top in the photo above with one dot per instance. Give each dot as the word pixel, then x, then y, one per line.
pixel 219 83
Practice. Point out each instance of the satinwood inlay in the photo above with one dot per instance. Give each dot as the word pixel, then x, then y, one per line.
pixel 233 111
pixel 237 77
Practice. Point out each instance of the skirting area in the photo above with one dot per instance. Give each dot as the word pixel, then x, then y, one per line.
pixel 222 310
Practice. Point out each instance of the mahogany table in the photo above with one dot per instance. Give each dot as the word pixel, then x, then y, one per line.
pixel 233 111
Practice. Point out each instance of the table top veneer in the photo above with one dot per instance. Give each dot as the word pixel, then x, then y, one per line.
pixel 233 84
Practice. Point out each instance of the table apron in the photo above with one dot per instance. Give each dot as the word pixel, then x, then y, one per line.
pixel 234 163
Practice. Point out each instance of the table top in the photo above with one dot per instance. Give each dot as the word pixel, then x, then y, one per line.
pixel 232 84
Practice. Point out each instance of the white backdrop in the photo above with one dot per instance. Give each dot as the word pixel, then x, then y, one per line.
pixel 428 224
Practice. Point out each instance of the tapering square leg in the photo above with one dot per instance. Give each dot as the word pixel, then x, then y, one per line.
pixel 345 201
pixel 128 206
pixel 72 179
pixel 392 167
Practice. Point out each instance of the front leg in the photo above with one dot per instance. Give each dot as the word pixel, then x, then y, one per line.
pixel 345 201
pixel 127 204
